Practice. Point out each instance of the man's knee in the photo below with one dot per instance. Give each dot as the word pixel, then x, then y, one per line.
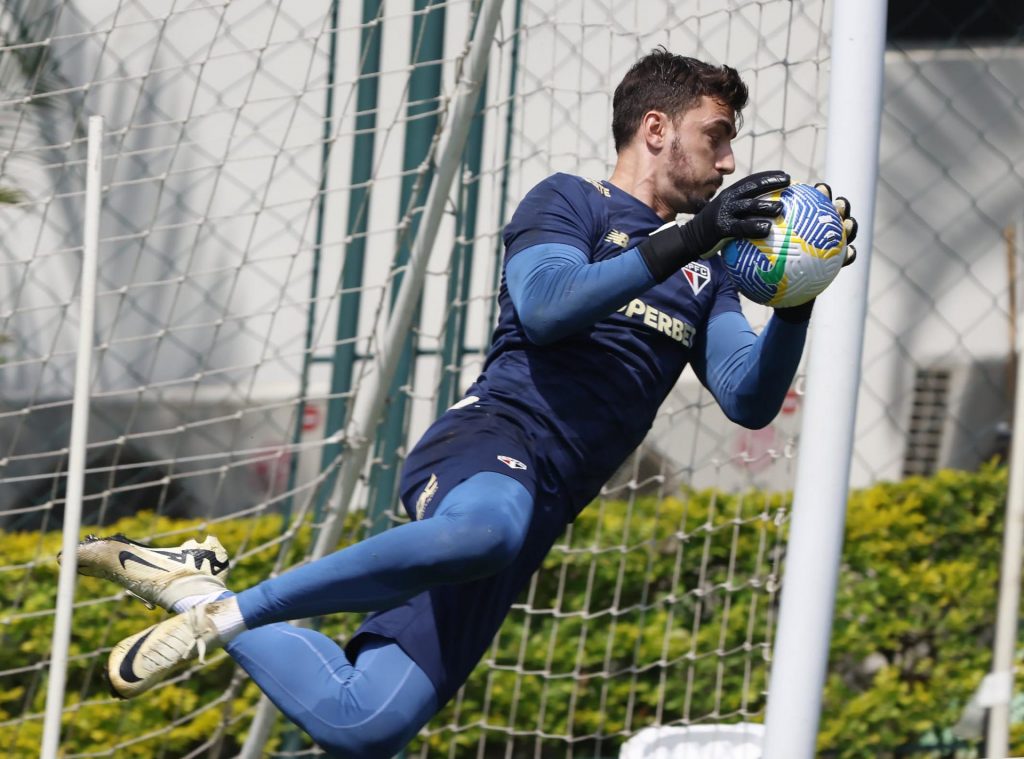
pixel 496 540
pixel 489 516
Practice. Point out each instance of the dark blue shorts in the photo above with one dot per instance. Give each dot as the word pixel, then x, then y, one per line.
pixel 446 630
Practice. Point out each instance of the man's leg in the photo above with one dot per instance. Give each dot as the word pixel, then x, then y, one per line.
pixel 477 530
pixel 371 708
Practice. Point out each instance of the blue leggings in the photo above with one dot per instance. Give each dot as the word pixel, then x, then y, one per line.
pixel 373 707
pixel 368 709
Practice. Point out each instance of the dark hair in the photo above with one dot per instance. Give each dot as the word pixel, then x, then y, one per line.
pixel 672 84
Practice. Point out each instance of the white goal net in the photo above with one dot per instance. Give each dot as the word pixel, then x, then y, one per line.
pixel 265 174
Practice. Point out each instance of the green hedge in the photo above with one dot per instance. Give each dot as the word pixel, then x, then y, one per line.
pixel 618 648
pixel 101 722
pixel 917 596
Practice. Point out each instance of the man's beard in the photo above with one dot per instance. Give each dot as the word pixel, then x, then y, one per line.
pixel 691 190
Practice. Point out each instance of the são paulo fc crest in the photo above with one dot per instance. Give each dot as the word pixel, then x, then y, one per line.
pixel 511 463
pixel 698 275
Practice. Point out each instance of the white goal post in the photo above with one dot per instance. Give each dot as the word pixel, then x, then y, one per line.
pixel 79 435
pixel 823 470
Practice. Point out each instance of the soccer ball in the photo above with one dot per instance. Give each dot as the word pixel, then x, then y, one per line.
pixel 798 259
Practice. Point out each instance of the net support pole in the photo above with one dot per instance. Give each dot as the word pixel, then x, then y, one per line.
pixel 363 150
pixel 61 640
pixel 815 543
pixel 999 681
pixel 422 114
pixel 371 393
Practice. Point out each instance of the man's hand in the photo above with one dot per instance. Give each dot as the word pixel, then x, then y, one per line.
pixel 842 206
pixel 736 212
pixel 800 314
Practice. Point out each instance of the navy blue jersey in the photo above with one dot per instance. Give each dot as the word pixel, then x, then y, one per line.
pixel 588 400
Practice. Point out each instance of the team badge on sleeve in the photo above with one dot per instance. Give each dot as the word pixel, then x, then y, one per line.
pixel 511 463
pixel 698 275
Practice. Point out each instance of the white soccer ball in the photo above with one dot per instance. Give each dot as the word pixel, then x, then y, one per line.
pixel 799 258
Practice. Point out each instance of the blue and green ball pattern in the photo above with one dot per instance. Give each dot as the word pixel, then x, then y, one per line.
pixel 799 258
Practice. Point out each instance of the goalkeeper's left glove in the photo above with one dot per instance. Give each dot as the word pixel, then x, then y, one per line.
pixel 801 313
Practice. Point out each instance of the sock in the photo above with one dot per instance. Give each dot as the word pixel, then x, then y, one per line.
pixel 226 617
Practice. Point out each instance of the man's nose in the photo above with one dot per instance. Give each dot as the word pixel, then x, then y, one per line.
pixel 726 162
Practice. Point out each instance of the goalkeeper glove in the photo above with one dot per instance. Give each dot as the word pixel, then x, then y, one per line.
pixel 736 212
pixel 842 206
pixel 801 313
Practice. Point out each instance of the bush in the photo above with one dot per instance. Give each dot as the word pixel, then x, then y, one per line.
pixel 641 623
pixel 915 612
pixel 28 591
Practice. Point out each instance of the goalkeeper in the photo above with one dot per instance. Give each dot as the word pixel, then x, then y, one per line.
pixel 597 320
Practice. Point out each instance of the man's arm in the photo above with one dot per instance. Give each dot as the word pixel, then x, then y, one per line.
pixel 557 291
pixel 555 288
pixel 749 374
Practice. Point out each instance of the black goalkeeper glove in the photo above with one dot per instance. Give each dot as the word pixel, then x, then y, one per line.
pixel 801 313
pixel 735 212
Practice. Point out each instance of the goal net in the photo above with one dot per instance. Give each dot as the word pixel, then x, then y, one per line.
pixel 266 177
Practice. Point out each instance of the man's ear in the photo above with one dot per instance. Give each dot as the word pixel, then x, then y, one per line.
pixel 654 129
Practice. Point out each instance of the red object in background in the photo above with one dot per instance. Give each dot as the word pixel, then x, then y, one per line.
pixel 310 417
pixel 271 472
pixel 756 449
pixel 791 402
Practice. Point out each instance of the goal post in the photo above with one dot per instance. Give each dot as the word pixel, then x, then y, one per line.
pixel 77 444
pixel 814 549
pixel 254 302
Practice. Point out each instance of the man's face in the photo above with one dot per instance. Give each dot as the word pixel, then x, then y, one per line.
pixel 699 155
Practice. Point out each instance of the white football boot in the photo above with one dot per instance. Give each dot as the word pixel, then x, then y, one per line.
pixel 157 576
pixel 141 661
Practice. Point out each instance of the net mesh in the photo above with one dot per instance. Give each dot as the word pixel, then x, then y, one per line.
pixel 265 173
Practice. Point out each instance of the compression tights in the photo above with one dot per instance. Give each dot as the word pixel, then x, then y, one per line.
pixel 373 707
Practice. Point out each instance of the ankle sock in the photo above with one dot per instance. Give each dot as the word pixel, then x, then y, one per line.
pixel 226 617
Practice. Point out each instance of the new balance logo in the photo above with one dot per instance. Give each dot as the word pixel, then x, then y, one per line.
pixel 511 463
pixel 619 238
pixel 599 187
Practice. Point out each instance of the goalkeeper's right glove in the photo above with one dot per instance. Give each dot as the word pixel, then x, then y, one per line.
pixel 736 212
